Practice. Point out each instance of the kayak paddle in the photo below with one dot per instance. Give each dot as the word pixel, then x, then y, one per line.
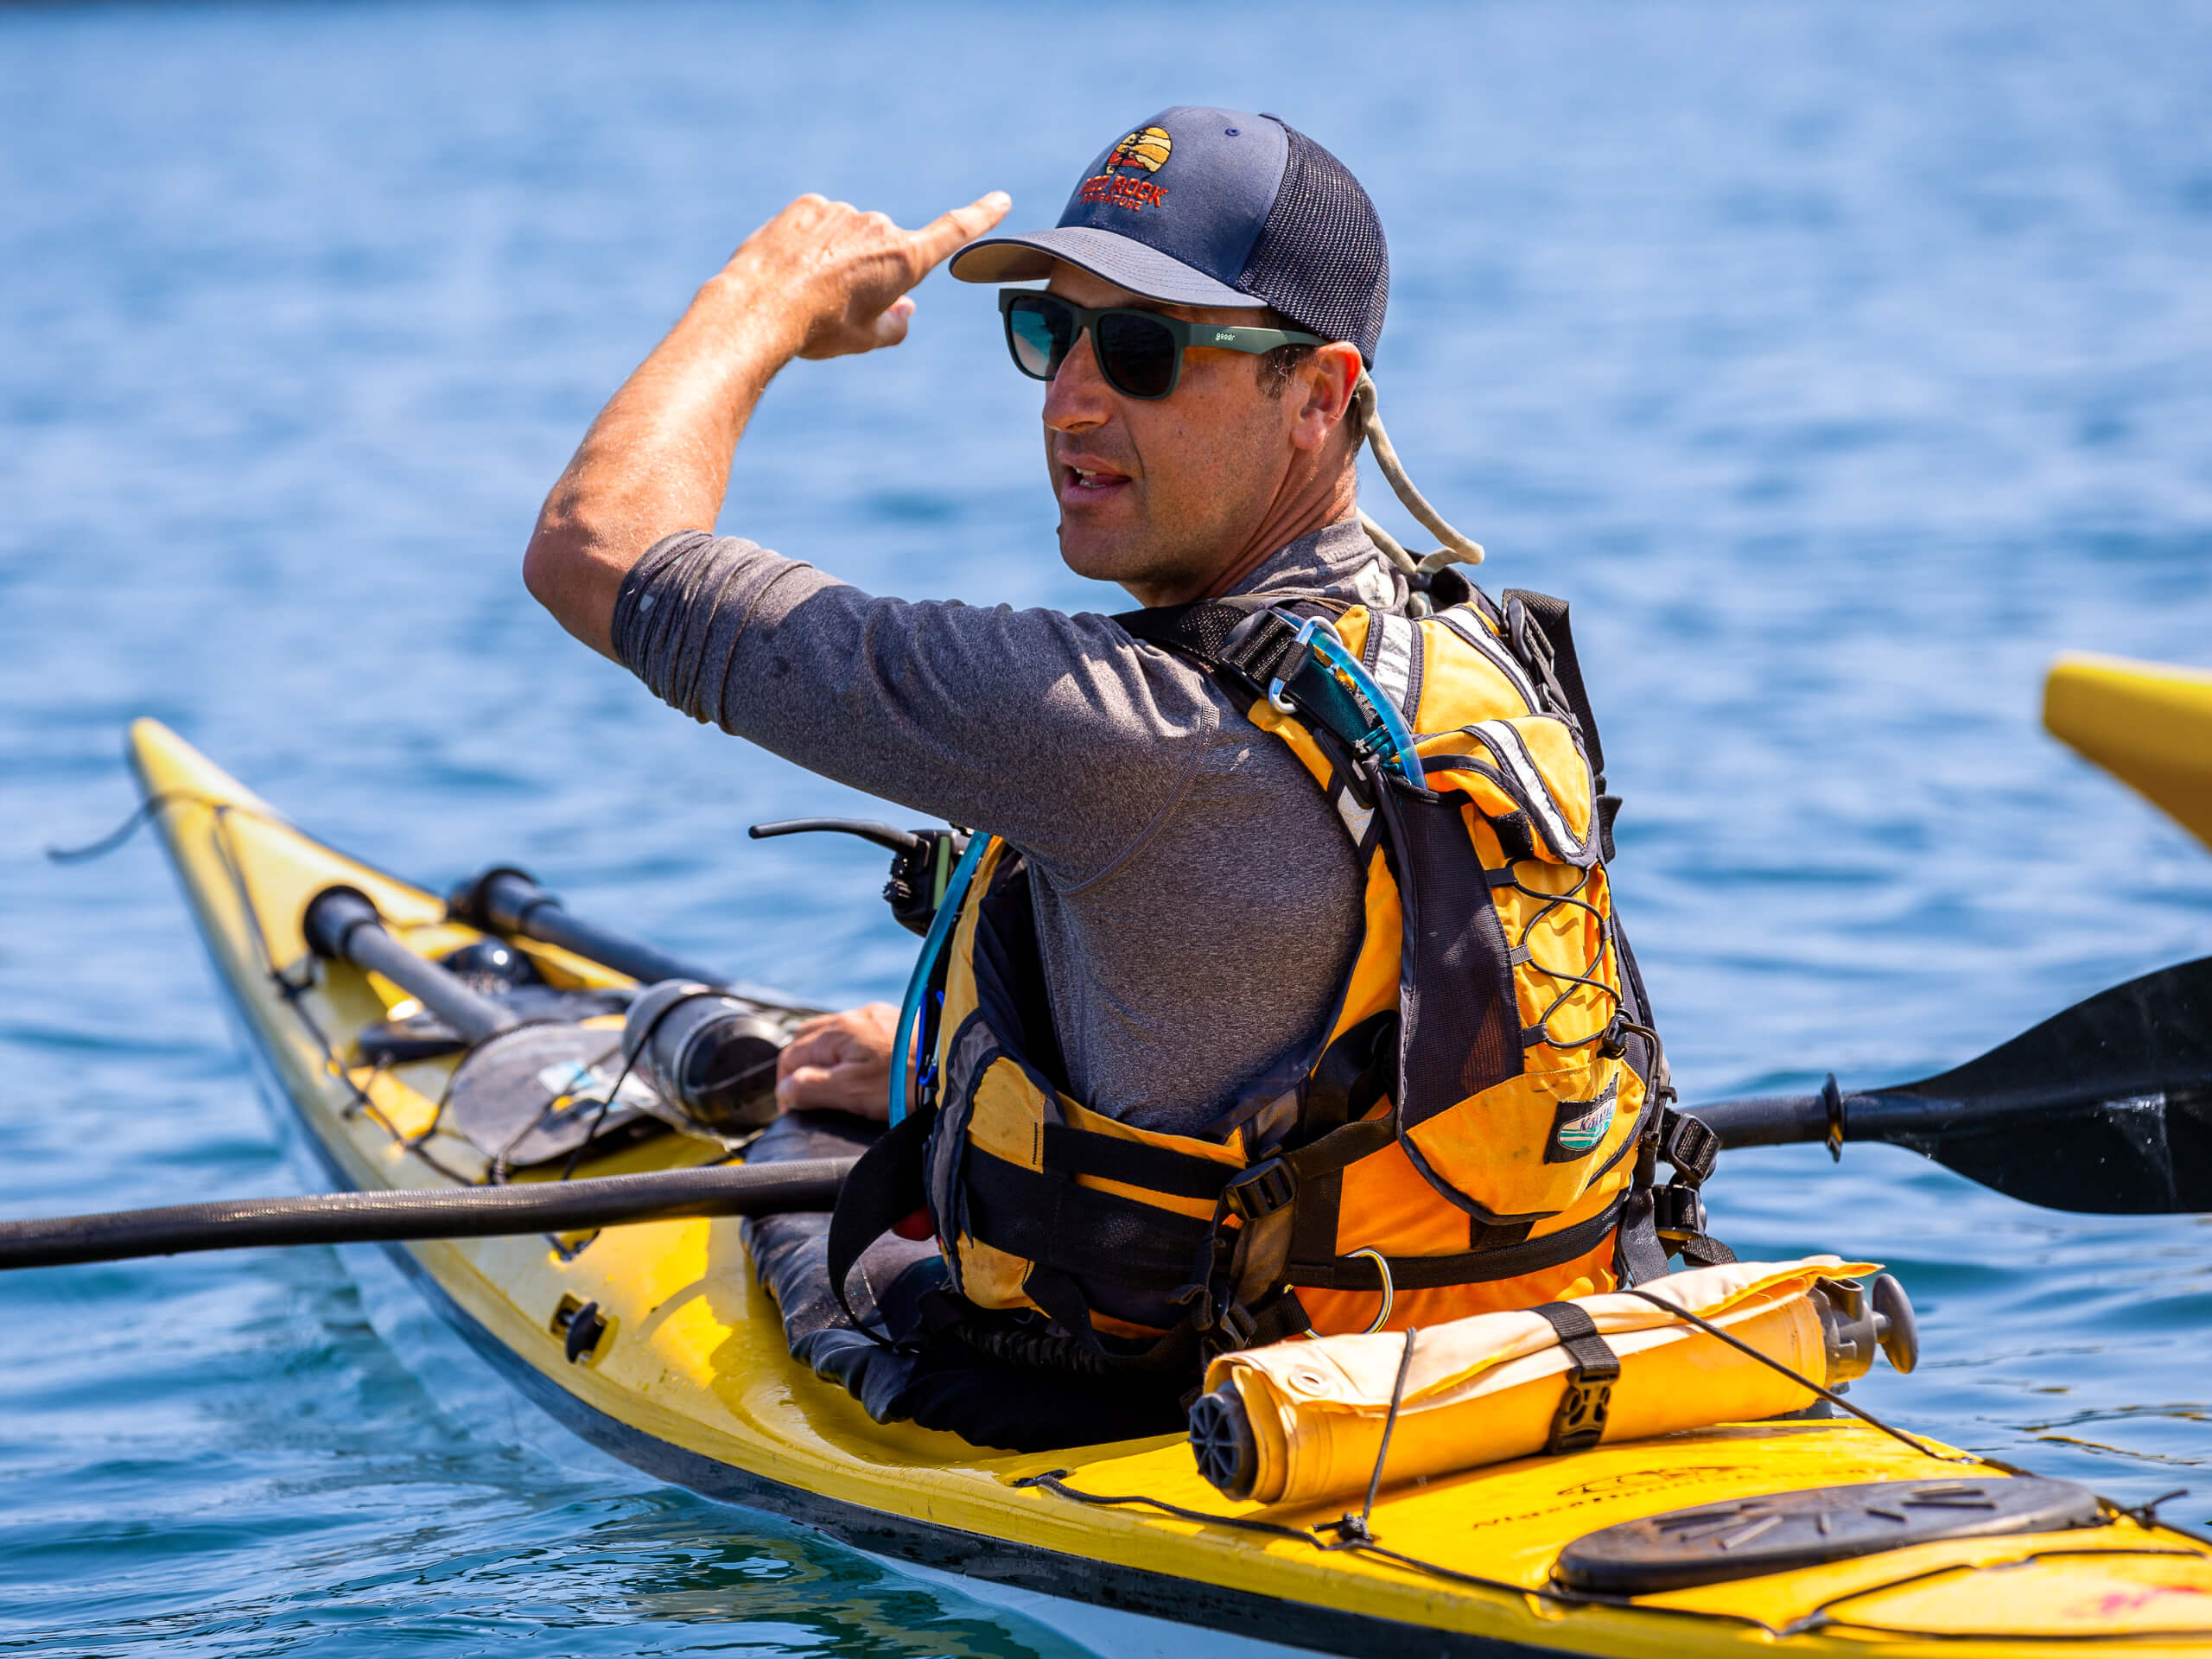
pixel 460 1212
pixel 2106 1109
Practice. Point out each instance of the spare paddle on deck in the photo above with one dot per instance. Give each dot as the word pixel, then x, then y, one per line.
pixel 503 900
pixel 2106 1109
pixel 456 1213
pixel 342 926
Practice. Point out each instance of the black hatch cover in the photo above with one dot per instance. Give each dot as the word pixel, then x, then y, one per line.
pixel 1782 1531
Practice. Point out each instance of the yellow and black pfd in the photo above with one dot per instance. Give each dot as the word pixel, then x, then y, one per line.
pixel 1481 1125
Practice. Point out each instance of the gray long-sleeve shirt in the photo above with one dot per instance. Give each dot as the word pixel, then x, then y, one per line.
pixel 1197 900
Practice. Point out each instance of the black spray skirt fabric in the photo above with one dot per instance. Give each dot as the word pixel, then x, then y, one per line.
pixel 909 1365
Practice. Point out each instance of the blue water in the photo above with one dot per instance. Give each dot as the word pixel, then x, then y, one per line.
pixel 1842 364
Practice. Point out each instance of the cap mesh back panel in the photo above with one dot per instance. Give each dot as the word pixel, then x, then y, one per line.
pixel 1320 259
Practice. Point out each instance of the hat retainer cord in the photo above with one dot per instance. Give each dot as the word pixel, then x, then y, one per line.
pixel 1457 548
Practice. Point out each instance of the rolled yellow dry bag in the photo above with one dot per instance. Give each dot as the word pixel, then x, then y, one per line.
pixel 1302 1421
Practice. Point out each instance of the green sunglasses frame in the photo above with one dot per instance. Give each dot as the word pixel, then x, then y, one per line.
pixel 1214 335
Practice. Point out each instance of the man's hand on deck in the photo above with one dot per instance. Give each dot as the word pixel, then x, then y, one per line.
pixel 840 1062
pixel 821 279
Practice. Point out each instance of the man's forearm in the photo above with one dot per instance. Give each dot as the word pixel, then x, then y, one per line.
pixel 658 457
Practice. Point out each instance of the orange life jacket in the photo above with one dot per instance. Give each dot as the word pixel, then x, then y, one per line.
pixel 1479 1128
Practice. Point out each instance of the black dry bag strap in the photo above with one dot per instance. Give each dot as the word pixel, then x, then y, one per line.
pixel 887 1185
pixel 1595 1367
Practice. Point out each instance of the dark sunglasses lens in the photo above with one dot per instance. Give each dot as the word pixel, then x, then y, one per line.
pixel 1138 353
pixel 1040 331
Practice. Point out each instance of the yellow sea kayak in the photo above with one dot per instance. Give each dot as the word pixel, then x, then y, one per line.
pixel 689 1378
pixel 2149 724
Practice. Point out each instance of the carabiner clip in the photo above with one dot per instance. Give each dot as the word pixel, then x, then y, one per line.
pixel 1306 629
pixel 1388 734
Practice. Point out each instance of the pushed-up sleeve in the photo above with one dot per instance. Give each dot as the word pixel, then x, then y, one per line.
pixel 1056 731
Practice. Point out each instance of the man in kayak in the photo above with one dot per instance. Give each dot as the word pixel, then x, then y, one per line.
pixel 1181 966
pixel 1173 989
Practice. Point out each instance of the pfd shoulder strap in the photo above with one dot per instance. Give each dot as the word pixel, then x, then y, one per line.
pixel 1213 633
pixel 1551 656
pixel 1257 646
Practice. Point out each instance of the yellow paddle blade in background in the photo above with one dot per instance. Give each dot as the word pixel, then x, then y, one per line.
pixel 2149 724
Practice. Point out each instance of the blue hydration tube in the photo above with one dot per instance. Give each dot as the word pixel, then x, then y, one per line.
pixel 1331 650
pixel 948 907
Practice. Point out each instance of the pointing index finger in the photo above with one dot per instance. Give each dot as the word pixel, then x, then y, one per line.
pixel 938 240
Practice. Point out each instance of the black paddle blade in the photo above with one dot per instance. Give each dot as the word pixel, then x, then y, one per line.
pixel 2106 1109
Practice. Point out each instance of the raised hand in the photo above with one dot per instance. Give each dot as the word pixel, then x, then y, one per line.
pixel 841 277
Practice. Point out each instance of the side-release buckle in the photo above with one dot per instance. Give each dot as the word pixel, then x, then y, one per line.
pixel 1260 1191
pixel 1234 1331
pixel 1579 1422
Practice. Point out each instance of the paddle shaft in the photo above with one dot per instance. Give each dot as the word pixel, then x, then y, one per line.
pixel 457 1212
pixel 1791 1120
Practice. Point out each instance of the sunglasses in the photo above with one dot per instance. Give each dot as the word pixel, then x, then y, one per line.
pixel 1139 353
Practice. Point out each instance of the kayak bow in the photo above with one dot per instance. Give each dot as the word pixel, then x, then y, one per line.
pixel 2149 724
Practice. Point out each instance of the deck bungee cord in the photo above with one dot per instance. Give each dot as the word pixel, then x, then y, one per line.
pixel 220 812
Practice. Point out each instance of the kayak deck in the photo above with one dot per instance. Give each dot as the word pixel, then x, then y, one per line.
pixel 692 1380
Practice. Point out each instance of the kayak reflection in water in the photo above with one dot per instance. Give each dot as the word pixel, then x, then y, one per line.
pixel 1168 1098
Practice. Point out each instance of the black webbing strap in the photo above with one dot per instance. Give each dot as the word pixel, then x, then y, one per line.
pixel 885 1185
pixel 1467 1267
pixel 1079 1230
pixel 1073 1152
pixel 1550 615
pixel 1689 1144
pixel 1341 1147
pixel 1638 1255
pixel 1202 632
pixel 1580 1422
pixel 1250 642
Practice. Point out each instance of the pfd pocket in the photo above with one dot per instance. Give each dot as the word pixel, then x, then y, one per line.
pixel 1508 928
pixel 1531 1145
pixel 1529 776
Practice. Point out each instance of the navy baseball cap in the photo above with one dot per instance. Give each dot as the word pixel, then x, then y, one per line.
pixel 1216 207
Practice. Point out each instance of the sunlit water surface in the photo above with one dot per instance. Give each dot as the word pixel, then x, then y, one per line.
pixel 1842 365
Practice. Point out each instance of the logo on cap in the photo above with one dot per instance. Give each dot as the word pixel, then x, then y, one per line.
pixel 1121 184
pixel 1147 150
